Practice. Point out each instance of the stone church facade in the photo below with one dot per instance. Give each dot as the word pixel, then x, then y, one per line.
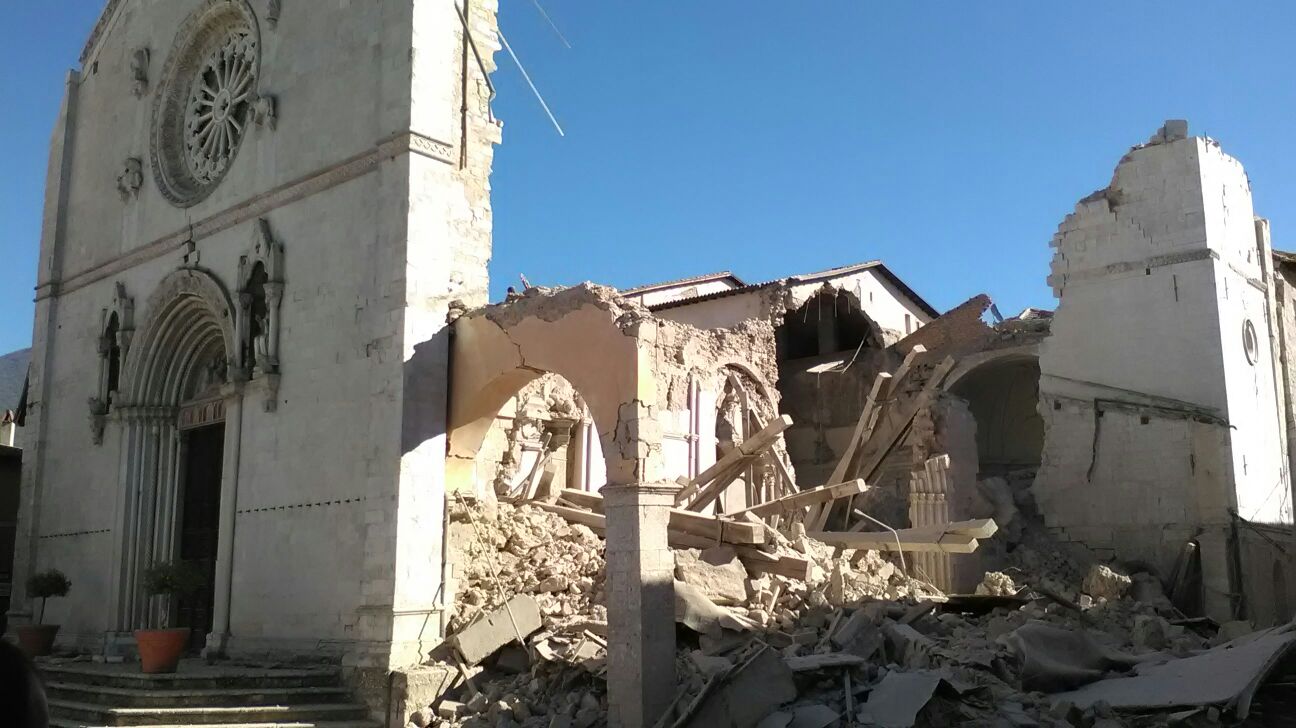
pixel 257 216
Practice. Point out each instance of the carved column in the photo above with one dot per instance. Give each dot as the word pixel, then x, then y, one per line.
pixel 641 603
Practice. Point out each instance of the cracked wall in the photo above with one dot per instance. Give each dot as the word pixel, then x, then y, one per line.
pixel 1161 414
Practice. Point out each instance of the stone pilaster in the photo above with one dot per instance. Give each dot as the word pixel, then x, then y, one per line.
pixel 641 603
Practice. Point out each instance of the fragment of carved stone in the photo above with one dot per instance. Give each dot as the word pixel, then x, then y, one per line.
pixel 98 419
pixel 139 71
pixel 131 179
pixel 274 8
pixel 265 111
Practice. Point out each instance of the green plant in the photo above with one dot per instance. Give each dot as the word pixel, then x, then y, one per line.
pixel 45 584
pixel 175 579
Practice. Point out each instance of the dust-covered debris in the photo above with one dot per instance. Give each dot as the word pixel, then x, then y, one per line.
pixel 849 636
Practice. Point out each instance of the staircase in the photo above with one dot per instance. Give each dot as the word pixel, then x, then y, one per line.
pixel 85 695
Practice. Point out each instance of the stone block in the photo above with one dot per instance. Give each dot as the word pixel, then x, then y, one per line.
pixel 1103 583
pixel 414 689
pixel 716 571
pixel 483 638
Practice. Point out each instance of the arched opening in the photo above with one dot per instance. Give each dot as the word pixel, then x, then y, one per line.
pixel 254 350
pixel 173 405
pixel 828 351
pixel 541 441
pixel 112 346
pixel 1003 396
pixel 743 408
pixel 830 321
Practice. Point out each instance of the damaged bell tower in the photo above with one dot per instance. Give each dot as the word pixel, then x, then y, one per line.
pixel 1158 390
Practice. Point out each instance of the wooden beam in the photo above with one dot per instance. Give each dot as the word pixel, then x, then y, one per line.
pixel 805 498
pixel 716 529
pixel 749 447
pixel 862 427
pixel 886 541
pixel 959 537
pixel 754 560
pixel 895 422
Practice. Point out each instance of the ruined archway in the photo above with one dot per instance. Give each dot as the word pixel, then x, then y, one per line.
pixel 584 335
pixel 1002 392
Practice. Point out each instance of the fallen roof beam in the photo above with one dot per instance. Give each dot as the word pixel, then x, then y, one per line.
pixel 746 450
pixel 711 527
pixel 755 560
pixel 959 537
pixel 805 498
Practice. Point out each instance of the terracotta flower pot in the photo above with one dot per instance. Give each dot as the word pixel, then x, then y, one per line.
pixel 160 649
pixel 37 640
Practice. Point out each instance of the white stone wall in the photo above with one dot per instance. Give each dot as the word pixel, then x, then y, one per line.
pixel 337 533
pixel 1156 422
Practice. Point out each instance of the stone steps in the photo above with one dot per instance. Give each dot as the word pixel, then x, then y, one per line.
pixel 61 723
pixel 86 695
pixel 224 679
pixel 188 698
pixel 97 714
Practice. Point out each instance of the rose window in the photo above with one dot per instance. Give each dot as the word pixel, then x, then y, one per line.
pixel 217 114
pixel 206 101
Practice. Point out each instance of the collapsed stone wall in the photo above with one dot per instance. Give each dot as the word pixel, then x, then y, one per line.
pixel 639 377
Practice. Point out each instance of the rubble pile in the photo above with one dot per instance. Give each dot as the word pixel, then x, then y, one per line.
pixel 854 643
pixel 505 551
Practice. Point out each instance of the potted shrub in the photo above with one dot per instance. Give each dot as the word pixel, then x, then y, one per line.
pixel 160 649
pixel 37 639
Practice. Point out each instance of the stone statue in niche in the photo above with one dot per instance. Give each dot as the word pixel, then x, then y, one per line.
pixel 131 179
pixel 274 8
pixel 264 111
pixel 116 329
pixel 260 293
pixel 139 72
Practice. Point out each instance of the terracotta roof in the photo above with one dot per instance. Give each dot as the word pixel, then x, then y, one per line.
pixel 705 278
pixel 823 275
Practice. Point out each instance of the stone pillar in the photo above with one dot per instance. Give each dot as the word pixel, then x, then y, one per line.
pixel 641 603
pixel 218 638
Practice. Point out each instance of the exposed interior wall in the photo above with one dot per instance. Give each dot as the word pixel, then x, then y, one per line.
pixel 1003 397
pixel 1268 563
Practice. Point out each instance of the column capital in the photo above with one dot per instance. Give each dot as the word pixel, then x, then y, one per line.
pixel 630 490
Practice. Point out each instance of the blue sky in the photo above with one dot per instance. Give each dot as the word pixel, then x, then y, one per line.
pixel 947 139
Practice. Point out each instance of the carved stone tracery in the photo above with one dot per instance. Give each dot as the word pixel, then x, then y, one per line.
pixel 208 95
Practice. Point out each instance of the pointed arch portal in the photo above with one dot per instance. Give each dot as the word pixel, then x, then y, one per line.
pixel 180 412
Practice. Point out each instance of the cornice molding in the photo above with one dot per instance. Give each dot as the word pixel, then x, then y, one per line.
pixel 100 26
pixel 256 206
